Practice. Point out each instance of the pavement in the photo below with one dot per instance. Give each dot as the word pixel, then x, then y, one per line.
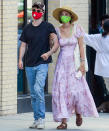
pixel 21 122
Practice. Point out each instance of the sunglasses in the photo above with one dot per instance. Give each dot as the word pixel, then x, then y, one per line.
pixel 38 11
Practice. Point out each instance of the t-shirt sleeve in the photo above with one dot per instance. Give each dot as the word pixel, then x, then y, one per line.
pixel 23 36
pixel 93 41
pixel 79 31
pixel 52 29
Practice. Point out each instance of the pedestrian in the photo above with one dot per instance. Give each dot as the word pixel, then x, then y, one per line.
pixel 70 94
pixel 96 83
pixel 99 42
pixel 35 38
pixel 100 27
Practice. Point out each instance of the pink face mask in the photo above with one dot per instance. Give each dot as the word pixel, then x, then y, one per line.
pixel 36 15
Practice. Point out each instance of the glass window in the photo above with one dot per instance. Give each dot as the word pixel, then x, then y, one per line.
pixel 20 28
pixel 29 11
pixel 20 14
pixel 107 6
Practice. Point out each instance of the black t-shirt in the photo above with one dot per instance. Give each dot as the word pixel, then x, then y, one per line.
pixel 37 40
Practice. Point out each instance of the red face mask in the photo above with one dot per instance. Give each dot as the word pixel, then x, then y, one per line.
pixel 36 15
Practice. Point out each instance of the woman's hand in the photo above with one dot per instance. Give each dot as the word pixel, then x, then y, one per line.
pixel 45 56
pixel 82 68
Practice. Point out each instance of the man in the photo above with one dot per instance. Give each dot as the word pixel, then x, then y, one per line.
pixel 35 38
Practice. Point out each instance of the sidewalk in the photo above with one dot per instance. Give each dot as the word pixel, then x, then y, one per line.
pixel 21 122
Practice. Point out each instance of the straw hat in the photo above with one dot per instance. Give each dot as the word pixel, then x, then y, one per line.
pixel 57 11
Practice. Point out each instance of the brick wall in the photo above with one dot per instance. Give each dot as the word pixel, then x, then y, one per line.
pixel 81 8
pixel 52 4
pixel 8 57
pixel 0 55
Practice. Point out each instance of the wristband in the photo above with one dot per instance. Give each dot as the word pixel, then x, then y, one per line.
pixel 82 59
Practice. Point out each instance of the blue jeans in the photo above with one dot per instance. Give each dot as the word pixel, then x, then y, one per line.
pixel 36 77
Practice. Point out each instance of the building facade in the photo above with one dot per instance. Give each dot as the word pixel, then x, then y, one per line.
pixel 14 14
pixel 8 56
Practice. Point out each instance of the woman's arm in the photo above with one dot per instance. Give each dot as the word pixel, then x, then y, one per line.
pixel 92 40
pixel 81 48
pixel 82 55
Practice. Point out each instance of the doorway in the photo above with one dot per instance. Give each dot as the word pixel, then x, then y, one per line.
pixel 97 8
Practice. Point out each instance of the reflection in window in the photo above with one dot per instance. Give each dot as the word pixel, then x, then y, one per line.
pixel 20 28
pixel 20 14
pixel 107 7
pixel 29 11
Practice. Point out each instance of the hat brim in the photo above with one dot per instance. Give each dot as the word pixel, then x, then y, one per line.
pixel 56 14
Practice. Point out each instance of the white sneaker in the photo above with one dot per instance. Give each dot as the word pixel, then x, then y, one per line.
pixel 34 125
pixel 41 123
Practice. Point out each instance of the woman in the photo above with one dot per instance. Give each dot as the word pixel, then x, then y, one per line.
pixel 70 94
pixel 100 42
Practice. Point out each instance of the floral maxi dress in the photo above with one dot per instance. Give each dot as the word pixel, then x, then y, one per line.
pixel 70 94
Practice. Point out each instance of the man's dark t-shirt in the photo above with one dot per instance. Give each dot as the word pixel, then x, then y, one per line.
pixel 37 40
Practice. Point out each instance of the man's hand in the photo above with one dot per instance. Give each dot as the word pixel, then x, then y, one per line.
pixel 20 64
pixel 45 56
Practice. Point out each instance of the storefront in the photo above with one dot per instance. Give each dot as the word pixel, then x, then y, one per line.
pixel 14 92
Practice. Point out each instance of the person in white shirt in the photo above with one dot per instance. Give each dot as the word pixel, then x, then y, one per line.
pixel 100 42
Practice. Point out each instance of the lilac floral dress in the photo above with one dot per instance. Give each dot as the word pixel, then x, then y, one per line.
pixel 70 94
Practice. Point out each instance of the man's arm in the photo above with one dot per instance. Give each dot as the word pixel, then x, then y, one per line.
pixel 54 47
pixel 54 44
pixel 51 42
pixel 21 54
